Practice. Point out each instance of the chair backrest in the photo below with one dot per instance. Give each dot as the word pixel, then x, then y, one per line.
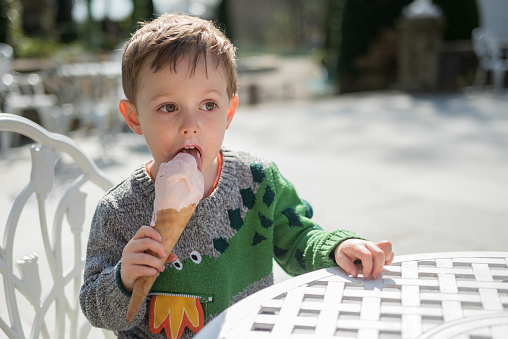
pixel 50 217
pixel 493 16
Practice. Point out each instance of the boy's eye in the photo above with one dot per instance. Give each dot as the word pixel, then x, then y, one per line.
pixel 208 106
pixel 168 108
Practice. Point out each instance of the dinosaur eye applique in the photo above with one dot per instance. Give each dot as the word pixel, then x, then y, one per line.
pixel 178 265
pixel 195 257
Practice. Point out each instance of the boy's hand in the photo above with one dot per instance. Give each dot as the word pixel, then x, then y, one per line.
pixel 137 263
pixel 373 256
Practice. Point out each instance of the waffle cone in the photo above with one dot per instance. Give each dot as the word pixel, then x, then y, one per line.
pixel 170 224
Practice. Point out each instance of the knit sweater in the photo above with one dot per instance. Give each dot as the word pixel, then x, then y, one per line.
pixel 225 253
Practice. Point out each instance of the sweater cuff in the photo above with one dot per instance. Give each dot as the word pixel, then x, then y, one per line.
pixel 330 242
pixel 119 280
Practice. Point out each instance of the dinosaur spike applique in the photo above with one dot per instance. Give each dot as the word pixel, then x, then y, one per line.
pixel 174 313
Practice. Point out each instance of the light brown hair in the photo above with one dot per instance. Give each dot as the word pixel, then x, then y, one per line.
pixel 172 37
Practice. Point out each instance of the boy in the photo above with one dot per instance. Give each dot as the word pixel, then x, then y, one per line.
pixel 179 78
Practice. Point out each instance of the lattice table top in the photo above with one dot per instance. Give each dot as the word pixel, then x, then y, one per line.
pixel 435 295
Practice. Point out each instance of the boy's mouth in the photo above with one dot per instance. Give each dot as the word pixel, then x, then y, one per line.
pixel 196 153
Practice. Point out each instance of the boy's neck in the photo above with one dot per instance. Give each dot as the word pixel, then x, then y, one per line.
pixel 210 176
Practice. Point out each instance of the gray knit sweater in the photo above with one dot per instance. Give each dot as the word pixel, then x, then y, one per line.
pixel 225 253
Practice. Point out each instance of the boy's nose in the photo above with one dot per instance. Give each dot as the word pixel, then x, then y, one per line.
pixel 189 125
pixel 190 131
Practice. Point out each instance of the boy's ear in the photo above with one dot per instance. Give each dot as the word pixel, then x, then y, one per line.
pixel 130 115
pixel 232 109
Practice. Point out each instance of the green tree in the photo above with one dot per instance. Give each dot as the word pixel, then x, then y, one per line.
pixel 64 21
pixel 461 18
pixel 351 28
pixel 333 37
pixel 223 19
pixel 37 18
pixel 4 22
pixel 143 10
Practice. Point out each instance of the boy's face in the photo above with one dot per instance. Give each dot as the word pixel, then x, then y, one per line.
pixel 177 110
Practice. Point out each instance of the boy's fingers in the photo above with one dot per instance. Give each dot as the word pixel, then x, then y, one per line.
pixel 365 255
pixel 135 265
pixel 372 255
pixel 144 244
pixel 386 246
pixel 378 258
pixel 147 232
pixel 145 271
pixel 346 264
pixel 146 260
pixel 389 261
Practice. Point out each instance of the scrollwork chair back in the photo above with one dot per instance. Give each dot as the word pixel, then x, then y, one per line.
pixel 41 289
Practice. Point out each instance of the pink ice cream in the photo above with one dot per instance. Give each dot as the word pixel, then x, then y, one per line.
pixel 179 183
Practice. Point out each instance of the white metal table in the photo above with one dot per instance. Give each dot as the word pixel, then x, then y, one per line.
pixel 434 295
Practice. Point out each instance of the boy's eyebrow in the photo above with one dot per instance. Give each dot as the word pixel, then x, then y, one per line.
pixel 213 91
pixel 158 96
pixel 167 93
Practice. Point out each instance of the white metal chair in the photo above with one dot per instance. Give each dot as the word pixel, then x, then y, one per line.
pixel 41 296
pixel 490 41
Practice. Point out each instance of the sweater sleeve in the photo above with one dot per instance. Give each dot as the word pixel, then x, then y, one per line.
pixel 300 245
pixel 102 299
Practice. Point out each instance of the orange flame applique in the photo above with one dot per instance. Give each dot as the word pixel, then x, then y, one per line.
pixel 174 313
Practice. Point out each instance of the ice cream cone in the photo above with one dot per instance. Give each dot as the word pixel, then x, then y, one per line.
pixel 170 223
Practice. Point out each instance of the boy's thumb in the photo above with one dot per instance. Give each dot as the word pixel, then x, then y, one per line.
pixel 171 258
